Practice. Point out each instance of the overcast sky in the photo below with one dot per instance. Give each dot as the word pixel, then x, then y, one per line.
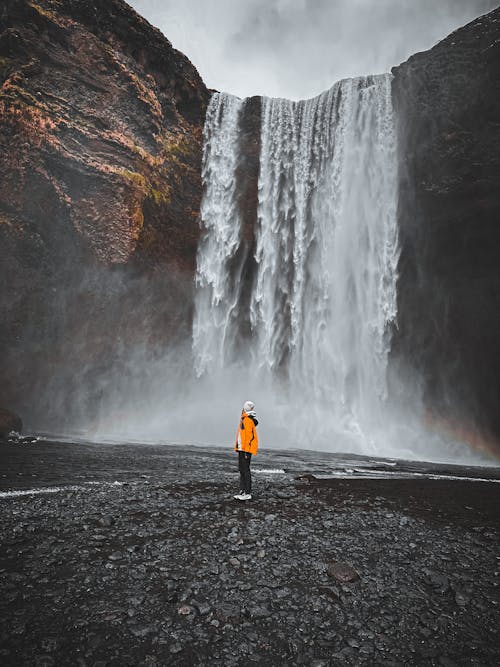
pixel 298 48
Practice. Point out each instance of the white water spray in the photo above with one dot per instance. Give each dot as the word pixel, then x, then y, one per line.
pixel 217 295
pixel 324 295
pixel 327 209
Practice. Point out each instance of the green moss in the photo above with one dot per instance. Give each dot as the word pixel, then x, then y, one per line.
pixel 133 176
pixel 158 195
pixel 176 147
pixel 45 12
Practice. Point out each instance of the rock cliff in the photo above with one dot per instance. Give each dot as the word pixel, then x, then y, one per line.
pixel 100 155
pixel 448 105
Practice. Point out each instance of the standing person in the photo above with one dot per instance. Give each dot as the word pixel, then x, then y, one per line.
pixel 247 443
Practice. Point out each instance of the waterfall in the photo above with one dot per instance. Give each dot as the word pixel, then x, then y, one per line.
pixel 323 296
pixel 217 296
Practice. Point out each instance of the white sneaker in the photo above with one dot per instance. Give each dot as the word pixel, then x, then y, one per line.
pixel 238 495
pixel 245 496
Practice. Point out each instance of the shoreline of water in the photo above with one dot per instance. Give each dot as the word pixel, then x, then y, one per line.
pixel 63 464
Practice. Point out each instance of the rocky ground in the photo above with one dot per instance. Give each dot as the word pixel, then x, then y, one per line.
pixel 142 557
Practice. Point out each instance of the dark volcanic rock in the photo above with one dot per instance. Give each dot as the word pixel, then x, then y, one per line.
pixel 448 105
pixel 342 572
pixel 100 155
pixel 63 595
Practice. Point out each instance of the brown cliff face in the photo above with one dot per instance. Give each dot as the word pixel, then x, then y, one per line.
pixel 448 105
pixel 100 154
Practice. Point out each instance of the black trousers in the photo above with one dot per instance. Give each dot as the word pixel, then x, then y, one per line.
pixel 244 459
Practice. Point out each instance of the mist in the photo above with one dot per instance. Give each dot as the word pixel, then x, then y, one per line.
pixel 162 401
pixel 298 48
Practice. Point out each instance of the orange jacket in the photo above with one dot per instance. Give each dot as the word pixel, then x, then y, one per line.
pixel 246 437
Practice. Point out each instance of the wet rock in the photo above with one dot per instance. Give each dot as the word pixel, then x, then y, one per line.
pixel 342 572
pixel 202 607
pixel 438 581
pixel 176 648
pixel 259 611
pixel 136 600
pixel 461 598
pixel 186 610
pixel 116 555
pixel 106 521
pixel 142 631
pixel 227 613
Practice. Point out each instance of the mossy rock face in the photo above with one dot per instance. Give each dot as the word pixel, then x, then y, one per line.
pixel 100 155
pixel 9 422
pixel 81 153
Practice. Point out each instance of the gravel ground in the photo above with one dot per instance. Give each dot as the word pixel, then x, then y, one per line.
pixel 142 557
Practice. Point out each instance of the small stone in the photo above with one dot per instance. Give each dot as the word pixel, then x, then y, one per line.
pixel 185 610
pixel 19 628
pixel 438 581
pixel 176 648
pixel 116 555
pixel 228 613
pixel 342 572
pixel 234 561
pixel 203 608
pixel 259 612
pixel 142 630
pixel 261 553
pixel 136 600
pixel 106 521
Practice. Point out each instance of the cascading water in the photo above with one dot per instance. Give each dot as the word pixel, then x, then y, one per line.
pixel 218 290
pixel 323 297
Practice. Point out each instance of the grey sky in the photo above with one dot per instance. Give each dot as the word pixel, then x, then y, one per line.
pixel 297 48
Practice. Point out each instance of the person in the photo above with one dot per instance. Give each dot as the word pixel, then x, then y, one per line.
pixel 247 443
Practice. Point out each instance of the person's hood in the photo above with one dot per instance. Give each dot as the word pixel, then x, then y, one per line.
pixel 253 416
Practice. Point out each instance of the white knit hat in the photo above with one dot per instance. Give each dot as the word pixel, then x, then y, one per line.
pixel 248 406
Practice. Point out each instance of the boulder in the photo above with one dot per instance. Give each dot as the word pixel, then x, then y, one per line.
pixel 342 572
